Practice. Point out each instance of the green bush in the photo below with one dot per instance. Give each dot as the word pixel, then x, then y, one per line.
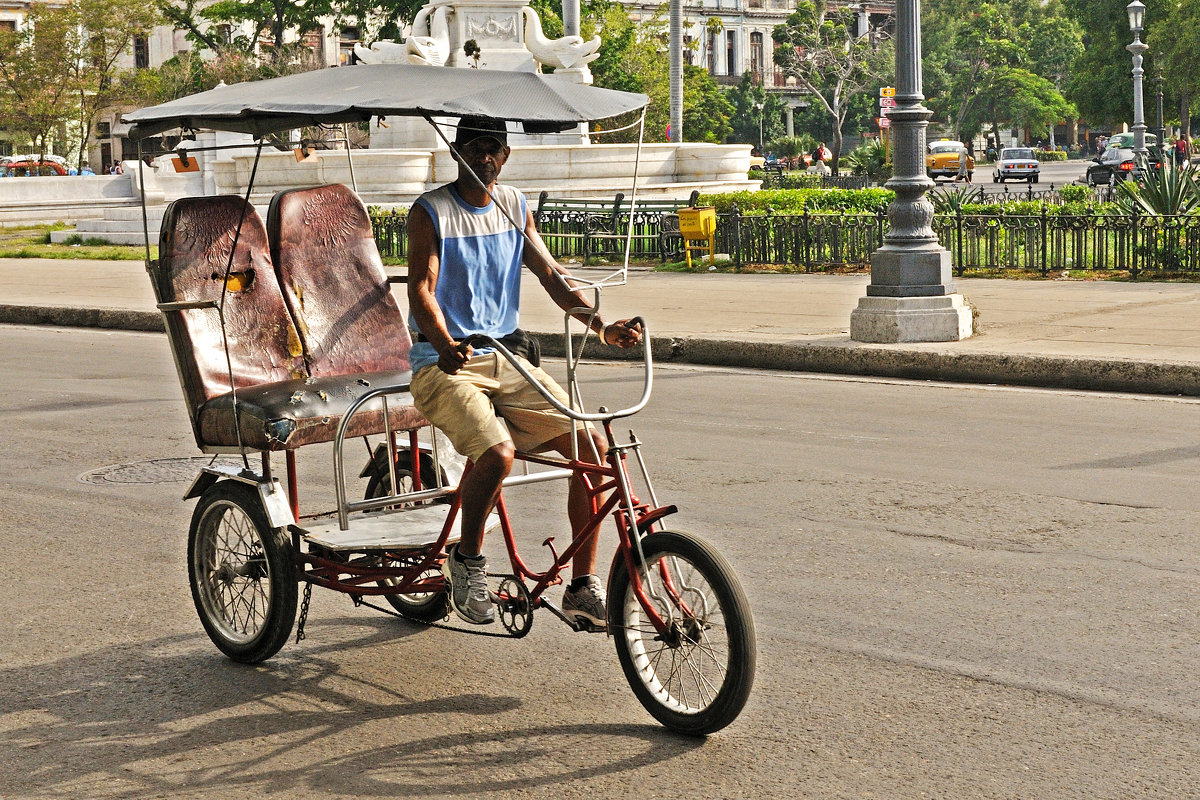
pixel 795 201
pixel 1074 193
pixel 1050 155
pixel 801 180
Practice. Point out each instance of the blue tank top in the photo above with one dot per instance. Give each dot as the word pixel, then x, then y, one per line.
pixel 479 265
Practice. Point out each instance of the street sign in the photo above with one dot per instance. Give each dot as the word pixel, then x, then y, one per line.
pixel 887 102
pixel 884 122
pixel 887 91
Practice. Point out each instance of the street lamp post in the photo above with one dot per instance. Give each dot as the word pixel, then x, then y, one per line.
pixel 1137 15
pixel 911 297
pixel 1162 131
pixel 759 107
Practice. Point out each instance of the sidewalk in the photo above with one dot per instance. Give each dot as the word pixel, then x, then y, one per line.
pixel 1133 337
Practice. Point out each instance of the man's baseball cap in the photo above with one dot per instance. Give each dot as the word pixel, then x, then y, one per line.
pixel 472 128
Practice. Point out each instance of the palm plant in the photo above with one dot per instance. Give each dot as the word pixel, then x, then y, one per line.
pixel 790 148
pixel 1167 190
pixel 948 200
pixel 870 159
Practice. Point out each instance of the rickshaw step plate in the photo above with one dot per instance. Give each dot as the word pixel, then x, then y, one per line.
pixel 405 529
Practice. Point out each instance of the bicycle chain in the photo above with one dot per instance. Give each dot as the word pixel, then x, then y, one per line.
pixel 303 612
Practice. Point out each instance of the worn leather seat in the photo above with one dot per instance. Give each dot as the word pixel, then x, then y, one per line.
pixel 334 284
pixel 282 403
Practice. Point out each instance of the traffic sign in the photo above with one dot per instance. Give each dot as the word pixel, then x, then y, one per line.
pixel 887 102
pixel 887 91
pixel 884 122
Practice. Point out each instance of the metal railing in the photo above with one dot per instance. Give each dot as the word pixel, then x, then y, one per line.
pixel 1044 242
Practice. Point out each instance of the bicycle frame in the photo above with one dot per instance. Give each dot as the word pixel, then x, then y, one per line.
pixel 608 488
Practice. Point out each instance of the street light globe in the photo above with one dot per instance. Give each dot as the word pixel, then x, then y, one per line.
pixel 1137 15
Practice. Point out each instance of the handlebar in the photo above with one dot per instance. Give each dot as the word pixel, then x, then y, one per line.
pixel 480 339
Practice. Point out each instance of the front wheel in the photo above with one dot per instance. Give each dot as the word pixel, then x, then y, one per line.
pixel 696 676
pixel 242 572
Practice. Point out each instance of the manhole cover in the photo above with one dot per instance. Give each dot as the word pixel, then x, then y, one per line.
pixel 159 470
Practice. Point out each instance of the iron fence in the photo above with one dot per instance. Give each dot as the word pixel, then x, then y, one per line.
pixel 1044 242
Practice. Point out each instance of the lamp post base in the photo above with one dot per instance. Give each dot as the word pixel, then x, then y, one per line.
pixel 888 320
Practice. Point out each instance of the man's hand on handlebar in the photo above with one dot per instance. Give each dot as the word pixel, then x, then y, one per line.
pixel 452 359
pixel 624 333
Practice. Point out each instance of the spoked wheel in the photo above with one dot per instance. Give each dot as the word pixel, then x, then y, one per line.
pixel 243 573
pixel 419 606
pixel 696 676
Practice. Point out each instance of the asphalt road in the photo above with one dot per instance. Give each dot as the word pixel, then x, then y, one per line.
pixel 1054 173
pixel 960 592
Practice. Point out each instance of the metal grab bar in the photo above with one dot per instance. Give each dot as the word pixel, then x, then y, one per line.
pixel 339 469
pixel 581 416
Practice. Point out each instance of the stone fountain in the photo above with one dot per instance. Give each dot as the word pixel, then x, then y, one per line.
pixel 406 157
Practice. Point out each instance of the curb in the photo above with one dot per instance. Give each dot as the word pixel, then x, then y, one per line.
pixel 842 357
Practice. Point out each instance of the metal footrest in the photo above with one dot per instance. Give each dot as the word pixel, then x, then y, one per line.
pixel 388 530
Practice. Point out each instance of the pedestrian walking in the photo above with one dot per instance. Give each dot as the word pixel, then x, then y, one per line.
pixel 1181 151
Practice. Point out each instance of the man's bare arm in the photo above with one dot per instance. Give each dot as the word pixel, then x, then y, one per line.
pixel 547 270
pixel 422 284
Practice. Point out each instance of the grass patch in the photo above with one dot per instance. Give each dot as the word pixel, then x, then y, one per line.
pixel 34 242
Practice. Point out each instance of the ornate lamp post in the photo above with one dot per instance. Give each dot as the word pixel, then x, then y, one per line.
pixel 1162 132
pixel 759 108
pixel 911 296
pixel 1137 15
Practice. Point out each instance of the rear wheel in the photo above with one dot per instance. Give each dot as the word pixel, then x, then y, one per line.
pixel 419 606
pixel 696 676
pixel 242 572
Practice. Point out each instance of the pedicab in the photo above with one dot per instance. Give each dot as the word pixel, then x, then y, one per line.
pixel 286 334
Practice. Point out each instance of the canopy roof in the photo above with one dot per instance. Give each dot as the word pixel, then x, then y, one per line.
pixel 357 93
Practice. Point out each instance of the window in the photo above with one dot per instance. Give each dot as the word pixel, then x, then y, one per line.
pixel 756 55
pixel 225 33
pixel 8 24
pixel 731 53
pixel 141 52
pixel 103 130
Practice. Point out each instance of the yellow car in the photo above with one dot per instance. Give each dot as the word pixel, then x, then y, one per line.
pixel 942 160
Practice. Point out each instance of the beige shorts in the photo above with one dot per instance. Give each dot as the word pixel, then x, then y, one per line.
pixel 464 406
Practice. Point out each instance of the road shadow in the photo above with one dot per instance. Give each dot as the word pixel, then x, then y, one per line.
pixel 168 718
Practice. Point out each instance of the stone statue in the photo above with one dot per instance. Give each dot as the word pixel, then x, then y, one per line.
pixel 508 32
pixel 564 53
pixel 508 35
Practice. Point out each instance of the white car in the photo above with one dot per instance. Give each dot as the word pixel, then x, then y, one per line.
pixel 1016 163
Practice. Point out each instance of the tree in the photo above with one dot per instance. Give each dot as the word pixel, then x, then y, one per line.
pixel 820 48
pixel 1104 64
pixel 1176 39
pixel 275 17
pixel 1019 98
pixel 35 93
pixel 633 59
pixel 983 45
pixel 106 32
pixel 754 106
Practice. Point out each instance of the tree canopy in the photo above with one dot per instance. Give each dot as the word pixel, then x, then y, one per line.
pixel 823 49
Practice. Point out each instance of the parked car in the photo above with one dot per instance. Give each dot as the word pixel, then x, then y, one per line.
pixel 1126 140
pixel 943 158
pixel 1016 164
pixel 1116 164
pixel 24 168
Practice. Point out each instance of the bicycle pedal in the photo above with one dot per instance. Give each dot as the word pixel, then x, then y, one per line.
pixel 585 625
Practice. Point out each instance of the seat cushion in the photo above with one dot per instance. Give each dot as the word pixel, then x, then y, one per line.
pixel 288 414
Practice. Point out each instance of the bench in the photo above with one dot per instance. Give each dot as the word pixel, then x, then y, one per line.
pixel 306 311
pixel 600 225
